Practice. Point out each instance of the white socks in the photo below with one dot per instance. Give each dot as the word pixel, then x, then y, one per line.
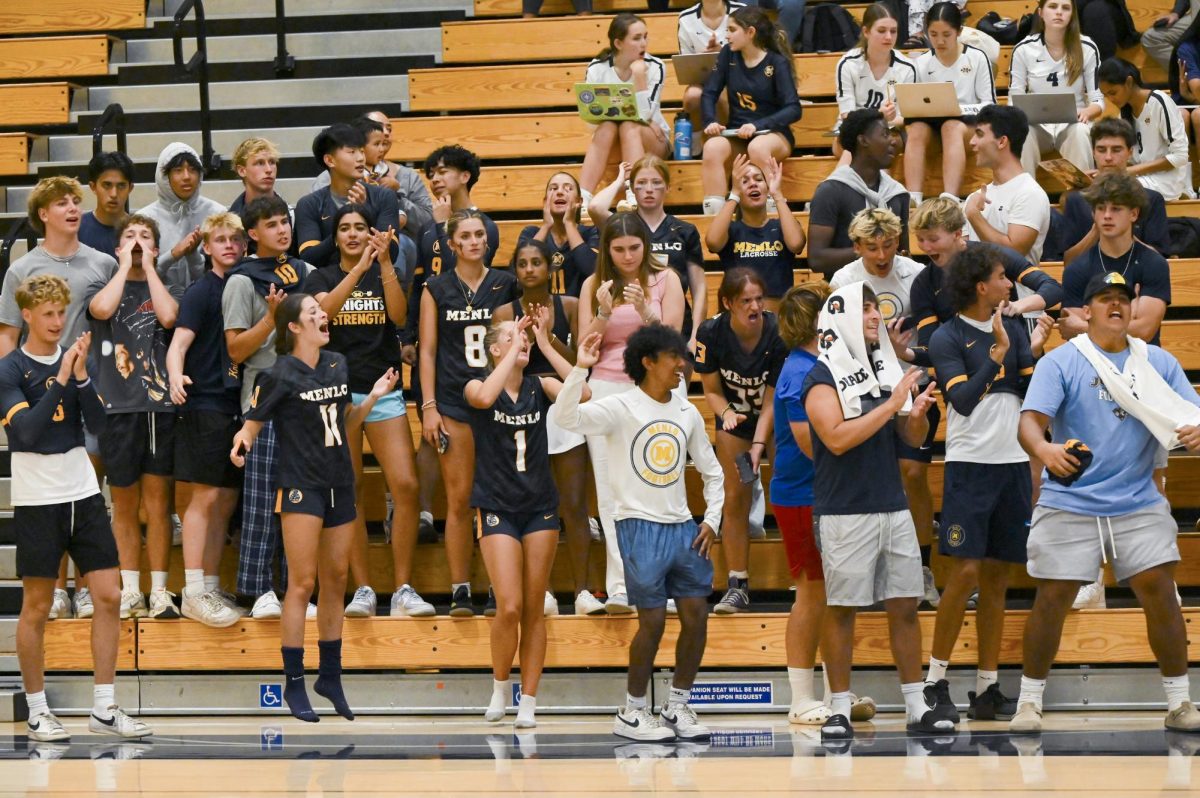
pixel 37 703
pixel 103 697
pixel 193 581
pixel 158 580
pixel 801 682
pixel 679 695
pixel 914 700
pixel 525 711
pixel 1031 691
pixel 499 702
pixel 839 704
pixel 984 680
pixel 712 205
pixel 937 670
pixel 915 198
pixel 634 702
pixel 1177 690
pixel 130 582
pixel 740 574
pixel 211 582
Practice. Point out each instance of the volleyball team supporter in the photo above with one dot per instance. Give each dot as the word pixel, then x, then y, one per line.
pixel 456 310
pixel 208 414
pixel 515 501
pixel 673 241
pixel 410 189
pixel 253 290
pixel 867 74
pixel 1183 77
pixel 568 452
pixel 754 71
pixel 651 432
pixel 739 354
pixel 704 28
pixel 626 60
pixel 131 317
pixel 766 246
pixel 58 509
pixel 306 394
pixel 1058 59
pixel 110 178
pixel 572 245
pixel 949 60
pixel 366 304
pixel 629 290
pixel 1160 160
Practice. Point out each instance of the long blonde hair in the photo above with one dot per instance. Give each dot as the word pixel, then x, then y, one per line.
pixel 1072 40
pixel 620 225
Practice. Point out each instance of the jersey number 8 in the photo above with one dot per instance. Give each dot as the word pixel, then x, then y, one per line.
pixel 473 346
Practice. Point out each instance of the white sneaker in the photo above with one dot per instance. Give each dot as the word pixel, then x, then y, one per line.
pixel 119 724
pixel 60 605
pixel 641 724
pixel 162 605
pixel 1090 597
pixel 406 602
pixel 133 604
pixel 682 719
pixel 266 606
pixel 83 603
pixel 1178 598
pixel 587 604
pixel 809 713
pixel 931 595
pixel 310 611
pixel 230 601
pixel 595 528
pixel 364 603
pixel 176 530
pixel 46 729
pixel 550 605
pixel 671 608
pixel 618 604
pixel 209 609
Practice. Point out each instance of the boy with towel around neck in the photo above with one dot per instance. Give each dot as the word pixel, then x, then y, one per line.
pixel 868 543
pixel 1123 399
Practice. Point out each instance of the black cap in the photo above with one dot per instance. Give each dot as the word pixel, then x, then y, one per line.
pixel 1103 282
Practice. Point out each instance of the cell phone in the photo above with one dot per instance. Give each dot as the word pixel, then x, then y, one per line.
pixel 745 468
pixel 443 444
pixel 1161 22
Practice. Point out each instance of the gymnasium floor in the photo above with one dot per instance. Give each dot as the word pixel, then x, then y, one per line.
pixel 1105 753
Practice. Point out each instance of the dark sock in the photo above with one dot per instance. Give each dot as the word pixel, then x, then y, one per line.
pixel 329 678
pixel 925 552
pixel 293 685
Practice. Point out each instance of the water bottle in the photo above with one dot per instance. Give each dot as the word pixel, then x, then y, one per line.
pixel 683 137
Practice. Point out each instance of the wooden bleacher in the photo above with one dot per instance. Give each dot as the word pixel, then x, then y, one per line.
pixel 28 104
pixel 53 16
pixel 54 57
pixel 14 153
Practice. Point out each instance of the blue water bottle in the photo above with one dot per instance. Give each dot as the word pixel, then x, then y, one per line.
pixel 683 137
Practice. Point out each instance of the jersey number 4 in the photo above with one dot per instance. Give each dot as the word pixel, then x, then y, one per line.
pixel 329 417
pixel 1052 79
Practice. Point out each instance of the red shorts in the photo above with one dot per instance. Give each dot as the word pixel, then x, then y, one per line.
pixel 796 525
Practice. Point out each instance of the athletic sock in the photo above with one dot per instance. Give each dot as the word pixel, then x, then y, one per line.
pixel 914 700
pixel 329 677
pixel 679 695
pixel 158 580
pixel 211 582
pixel 1178 690
pixel 130 582
pixel 293 685
pixel 915 198
pixel 712 204
pixel 501 689
pixel 839 704
pixel 103 697
pixel 454 586
pixel 426 516
pixel 801 682
pixel 1031 691
pixel 527 707
pixel 984 680
pixel 937 670
pixel 633 702
pixel 926 551
pixel 193 581
pixel 739 574
pixel 37 703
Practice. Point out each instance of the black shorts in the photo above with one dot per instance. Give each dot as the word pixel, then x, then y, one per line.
pixel 515 525
pixel 923 454
pixel 47 531
pixel 986 509
pixel 136 444
pixel 203 439
pixel 335 506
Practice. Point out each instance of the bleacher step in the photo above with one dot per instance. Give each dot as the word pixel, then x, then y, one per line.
pixel 248 9
pixel 335 44
pixel 147 146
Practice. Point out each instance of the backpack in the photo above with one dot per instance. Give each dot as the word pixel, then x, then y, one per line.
pixel 828 28
pixel 1183 238
pixel 899 10
pixel 1006 33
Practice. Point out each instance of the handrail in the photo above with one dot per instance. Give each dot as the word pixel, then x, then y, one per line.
pixel 113 113
pixel 197 65
pixel 285 63
pixel 21 226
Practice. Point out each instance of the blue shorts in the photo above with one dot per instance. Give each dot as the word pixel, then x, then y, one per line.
pixel 515 525
pixel 660 562
pixel 985 511
pixel 390 406
pixel 335 506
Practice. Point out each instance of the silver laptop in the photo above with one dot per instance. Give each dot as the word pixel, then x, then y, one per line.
pixel 692 70
pixel 1047 109
pixel 927 100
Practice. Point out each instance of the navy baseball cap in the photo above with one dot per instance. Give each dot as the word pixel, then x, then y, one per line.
pixel 1103 282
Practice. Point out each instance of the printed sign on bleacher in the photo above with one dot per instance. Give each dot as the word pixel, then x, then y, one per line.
pixel 732 693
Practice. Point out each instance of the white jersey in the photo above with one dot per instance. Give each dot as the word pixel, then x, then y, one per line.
pixel 857 86
pixel 1035 72
pixel 971 74
pixel 1019 201
pixel 892 289
pixel 694 35
pixel 1160 134
pixel 601 70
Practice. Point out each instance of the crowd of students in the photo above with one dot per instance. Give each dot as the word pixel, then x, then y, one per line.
pixel 247 351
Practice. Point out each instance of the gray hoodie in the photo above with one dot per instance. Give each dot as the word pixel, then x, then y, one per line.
pixel 176 219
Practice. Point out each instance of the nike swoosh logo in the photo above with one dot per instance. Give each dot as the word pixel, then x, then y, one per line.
pixel 35 726
pixel 632 725
pixel 323 218
pixel 548 517
pixel 496 288
pixel 110 722
pixel 970 344
pixel 295 678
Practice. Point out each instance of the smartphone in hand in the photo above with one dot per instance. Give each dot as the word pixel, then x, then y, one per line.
pixel 745 468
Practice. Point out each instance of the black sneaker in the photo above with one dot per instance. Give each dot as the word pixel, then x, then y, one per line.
pixel 426 531
pixel 937 696
pixel 460 603
pixel 837 728
pixel 489 609
pixel 991 705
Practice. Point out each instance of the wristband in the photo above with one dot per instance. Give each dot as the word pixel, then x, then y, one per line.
pixel 733 197
pixel 600 314
pixel 758 443
pixel 429 404
pixel 728 407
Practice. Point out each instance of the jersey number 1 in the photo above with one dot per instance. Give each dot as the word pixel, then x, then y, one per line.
pixel 329 417
pixel 519 437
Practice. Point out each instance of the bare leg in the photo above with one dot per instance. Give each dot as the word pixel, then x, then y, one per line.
pixel 37 593
pixel 644 647
pixel 1155 590
pixel 1043 627
pixel 904 633
pixel 301 541
pixel 504 558
pixel 954 154
pixel 360 570
pixel 693 637
pixel 805 623
pixel 735 518
pixel 334 546
pixel 125 524
pixel 989 613
pixel 458 474
pixel 392 444
pixel 716 154
pixel 919 135
pixel 838 647
pixel 156 493
pixel 915 475
pixel 106 622
pixel 596 158
pixel 963 579
pixel 539 559
pixel 570 476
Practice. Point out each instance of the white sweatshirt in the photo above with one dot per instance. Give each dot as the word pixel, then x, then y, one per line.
pixel 647 442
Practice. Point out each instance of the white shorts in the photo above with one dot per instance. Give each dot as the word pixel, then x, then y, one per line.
pixel 869 558
pixel 558 439
pixel 1071 547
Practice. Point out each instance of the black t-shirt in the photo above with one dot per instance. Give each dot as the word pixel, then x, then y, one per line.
pixel 678 243
pixel 865 479
pixel 744 375
pixel 362 329
pixel 97 235
pixel 763 250
pixel 1150 228
pixel 308 406
pixel 538 363
pixel 1143 268
pixel 512 457
pixel 129 352
pixel 461 326
pixel 834 204
pixel 568 267
pixel 207 359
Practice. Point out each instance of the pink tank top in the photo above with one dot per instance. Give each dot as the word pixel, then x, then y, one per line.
pixel 623 323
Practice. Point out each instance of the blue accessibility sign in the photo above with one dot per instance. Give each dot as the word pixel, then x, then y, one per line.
pixel 732 693
pixel 270 738
pixel 270 696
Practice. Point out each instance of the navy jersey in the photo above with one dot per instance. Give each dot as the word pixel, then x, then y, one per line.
pixel 433 257
pixel 677 243
pixel 512 457
pixel 462 323
pixel 207 360
pixel 308 406
pixel 763 250
pixel 744 375
pixel 568 267
pixel 1142 267
pixel 763 95
pixel 40 415
pixel 965 369
pixel 538 364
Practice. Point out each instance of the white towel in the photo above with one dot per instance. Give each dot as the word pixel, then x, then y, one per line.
pixel 857 369
pixel 1141 391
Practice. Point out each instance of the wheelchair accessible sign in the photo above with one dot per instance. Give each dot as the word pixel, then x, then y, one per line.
pixel 732 694
pixel 270 696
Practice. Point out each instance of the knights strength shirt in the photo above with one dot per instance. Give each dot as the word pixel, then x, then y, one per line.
pixel 362 329
pixel 512 456
pixel 744 375
pixel 308 406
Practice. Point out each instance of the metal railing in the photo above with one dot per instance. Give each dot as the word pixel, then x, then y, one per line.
pixel 31 239
pixel 285 64
pixel 197 65
pixel 113 113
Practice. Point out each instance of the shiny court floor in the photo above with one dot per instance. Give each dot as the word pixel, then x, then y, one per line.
pixel 1126 754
